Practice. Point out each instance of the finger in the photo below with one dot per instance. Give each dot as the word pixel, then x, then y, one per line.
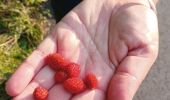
pixel 27 94
pixel 58 93
pixel 44 78
pixel 129 76
pixel 95 94
pixel 71 46
pixel 30 67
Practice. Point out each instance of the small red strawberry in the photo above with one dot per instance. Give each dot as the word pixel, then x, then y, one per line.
pixel 40 93
pixel 91 81
pixel 60 76
pixel 74 85
pixel 56 61
pixel 73 70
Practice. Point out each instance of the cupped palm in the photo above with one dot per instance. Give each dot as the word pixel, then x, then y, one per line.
pixel 101 37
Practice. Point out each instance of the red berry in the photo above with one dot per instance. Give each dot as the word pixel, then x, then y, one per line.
pixel 91 81
pixel 40 93
pixel 60 77
pixel 74 85
pixel 56 61
pixel 73 70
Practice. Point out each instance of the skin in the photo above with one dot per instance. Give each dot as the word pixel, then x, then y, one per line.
pixel 117 40
pixel 155 1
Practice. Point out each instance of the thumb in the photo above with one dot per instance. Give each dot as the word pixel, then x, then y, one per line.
pixel 130 73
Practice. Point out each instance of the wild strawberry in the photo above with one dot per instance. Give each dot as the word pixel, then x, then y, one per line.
pixel 60 76
pixel 56 61
pixel 91 81
pixel 40 93
pixel 73 70
pixel 74 85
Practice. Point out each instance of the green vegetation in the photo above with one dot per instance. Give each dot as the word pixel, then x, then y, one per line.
pixel 23 25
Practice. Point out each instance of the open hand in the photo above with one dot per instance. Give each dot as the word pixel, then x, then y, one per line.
pixel 117 40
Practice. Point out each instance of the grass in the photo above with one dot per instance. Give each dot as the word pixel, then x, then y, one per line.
pixel 23 25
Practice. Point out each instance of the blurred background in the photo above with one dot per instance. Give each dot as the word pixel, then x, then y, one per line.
pixel 25 23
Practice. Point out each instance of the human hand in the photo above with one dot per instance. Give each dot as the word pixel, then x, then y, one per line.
pixel 117 40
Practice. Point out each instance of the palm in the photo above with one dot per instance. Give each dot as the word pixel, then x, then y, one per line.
pixel 99 39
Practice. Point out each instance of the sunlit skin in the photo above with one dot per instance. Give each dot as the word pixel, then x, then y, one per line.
pixel 117 40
